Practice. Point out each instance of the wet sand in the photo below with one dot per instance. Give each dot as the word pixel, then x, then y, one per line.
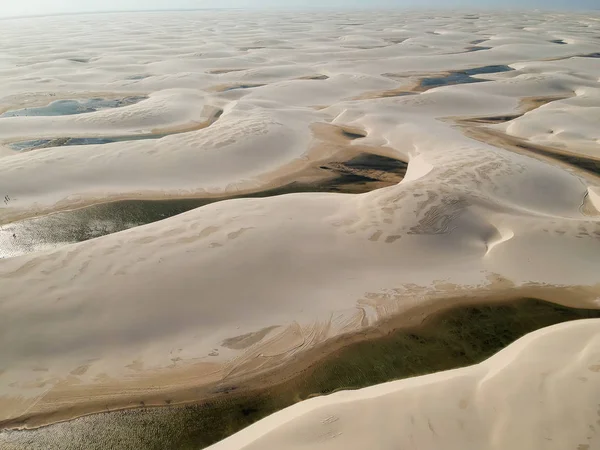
pixel 36 144
pixel 362 173
pixel 358 174
pixel 564 158
pixel 455 336
pixel 232 299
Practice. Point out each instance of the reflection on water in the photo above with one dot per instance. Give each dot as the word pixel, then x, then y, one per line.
pixel 35 144
pixel 361 174
pixel 487 69
pixel 462 76
pixel 79 225
pixel 71 107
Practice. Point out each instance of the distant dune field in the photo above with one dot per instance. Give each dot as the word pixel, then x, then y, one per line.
pixel 356 172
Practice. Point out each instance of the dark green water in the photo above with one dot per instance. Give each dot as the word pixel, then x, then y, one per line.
pixel 588 164
pixel 356 175
pixel 456 338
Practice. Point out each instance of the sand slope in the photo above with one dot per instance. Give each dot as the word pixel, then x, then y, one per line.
pixel 258 68
pixel 166 296
pixel 541 392
pixel 183 307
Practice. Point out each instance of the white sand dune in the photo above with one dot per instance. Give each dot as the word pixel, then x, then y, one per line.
pixel 243 144
pixel 163 110
pixel 569 124
pixel 541 392
pixel 161 300
pixel 150 313
pixel 183 57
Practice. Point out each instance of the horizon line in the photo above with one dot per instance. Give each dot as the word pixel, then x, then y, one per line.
pixel 303 8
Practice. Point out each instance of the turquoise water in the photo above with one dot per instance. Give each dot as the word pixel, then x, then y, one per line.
pixel 65 142
pixel 33 144
pixel 462 76
pixel 72 107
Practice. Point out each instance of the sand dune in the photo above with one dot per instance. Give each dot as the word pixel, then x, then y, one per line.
pixel 182 85
pixel 541 392
pixel 160 300
pixel 181 308
pixel 163 110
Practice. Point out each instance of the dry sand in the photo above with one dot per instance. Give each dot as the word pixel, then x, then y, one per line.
pixel 153 311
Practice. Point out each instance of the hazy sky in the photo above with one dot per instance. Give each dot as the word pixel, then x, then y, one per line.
pixel 36 7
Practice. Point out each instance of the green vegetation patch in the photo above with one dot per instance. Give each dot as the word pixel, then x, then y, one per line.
pixel 455 338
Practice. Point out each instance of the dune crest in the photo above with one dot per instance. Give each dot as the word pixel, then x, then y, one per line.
pixel 540 392
pixel 500 199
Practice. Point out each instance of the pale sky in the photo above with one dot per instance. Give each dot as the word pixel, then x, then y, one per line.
pixel 10 8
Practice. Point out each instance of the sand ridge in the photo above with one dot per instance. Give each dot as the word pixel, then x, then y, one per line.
pixel 540 392
pixel 180 85
pixel 142 313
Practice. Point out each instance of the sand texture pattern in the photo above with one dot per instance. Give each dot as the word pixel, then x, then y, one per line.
pixel 500 200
